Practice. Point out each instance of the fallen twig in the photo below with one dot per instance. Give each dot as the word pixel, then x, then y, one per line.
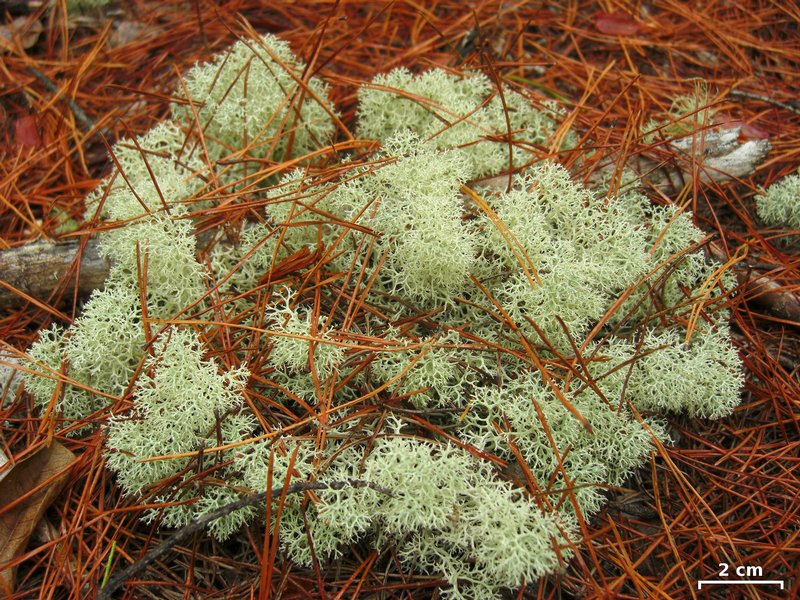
pixel 119 579
pixel 79 113
pixel 767 100
pixel 36 270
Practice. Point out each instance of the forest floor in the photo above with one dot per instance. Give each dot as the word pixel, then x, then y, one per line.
pixel 726 492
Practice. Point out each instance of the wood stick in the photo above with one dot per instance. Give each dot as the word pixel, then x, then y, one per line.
pixel 185 532
pixel 42 269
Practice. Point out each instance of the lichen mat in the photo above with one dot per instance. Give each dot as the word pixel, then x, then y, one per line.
pixel 384 315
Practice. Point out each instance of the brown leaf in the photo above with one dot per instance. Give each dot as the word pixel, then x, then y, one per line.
pixel 127 32
pixel 26 132
pixel 29 32
pixel 616 24
pixel 25 494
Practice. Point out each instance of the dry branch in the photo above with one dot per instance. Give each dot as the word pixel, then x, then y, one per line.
pixel 187 531
pixel 38 269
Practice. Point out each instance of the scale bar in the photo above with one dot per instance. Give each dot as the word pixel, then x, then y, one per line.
pixel 739 582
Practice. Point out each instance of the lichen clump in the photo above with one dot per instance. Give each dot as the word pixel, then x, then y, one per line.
pixel 489 130
pixel 779 205
pixel 252 102
pixel 361 315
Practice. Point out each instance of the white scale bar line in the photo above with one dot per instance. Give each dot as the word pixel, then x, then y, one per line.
pixel 739 582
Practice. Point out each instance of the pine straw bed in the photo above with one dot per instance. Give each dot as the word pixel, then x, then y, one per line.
pixel 726 492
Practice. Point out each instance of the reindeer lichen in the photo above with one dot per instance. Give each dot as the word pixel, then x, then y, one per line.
pixel 541 323
pixel 779 205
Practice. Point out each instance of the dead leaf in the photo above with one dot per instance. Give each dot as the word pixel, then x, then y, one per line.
pixel 29 32
pixel 616 23
pixel 747 131
pixel 127 32
pixel 751 132
pixel 25 494
pixel 771 296
pixel 26 132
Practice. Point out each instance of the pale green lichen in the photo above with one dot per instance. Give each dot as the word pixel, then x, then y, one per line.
pixel 297 342
pixel 156 174
pixel 416 210
pixel 178 402
pixel 46 357
pixel 238 267
pixel 430 374
pixel 252 101
pixel 453 518
pixel 779 205
pixel 688 113
pixel 162 248
pixel 491 131
pixel 85 5
pixel 100 351
pixel 524 411
pixel 571 240
pixel 702 377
